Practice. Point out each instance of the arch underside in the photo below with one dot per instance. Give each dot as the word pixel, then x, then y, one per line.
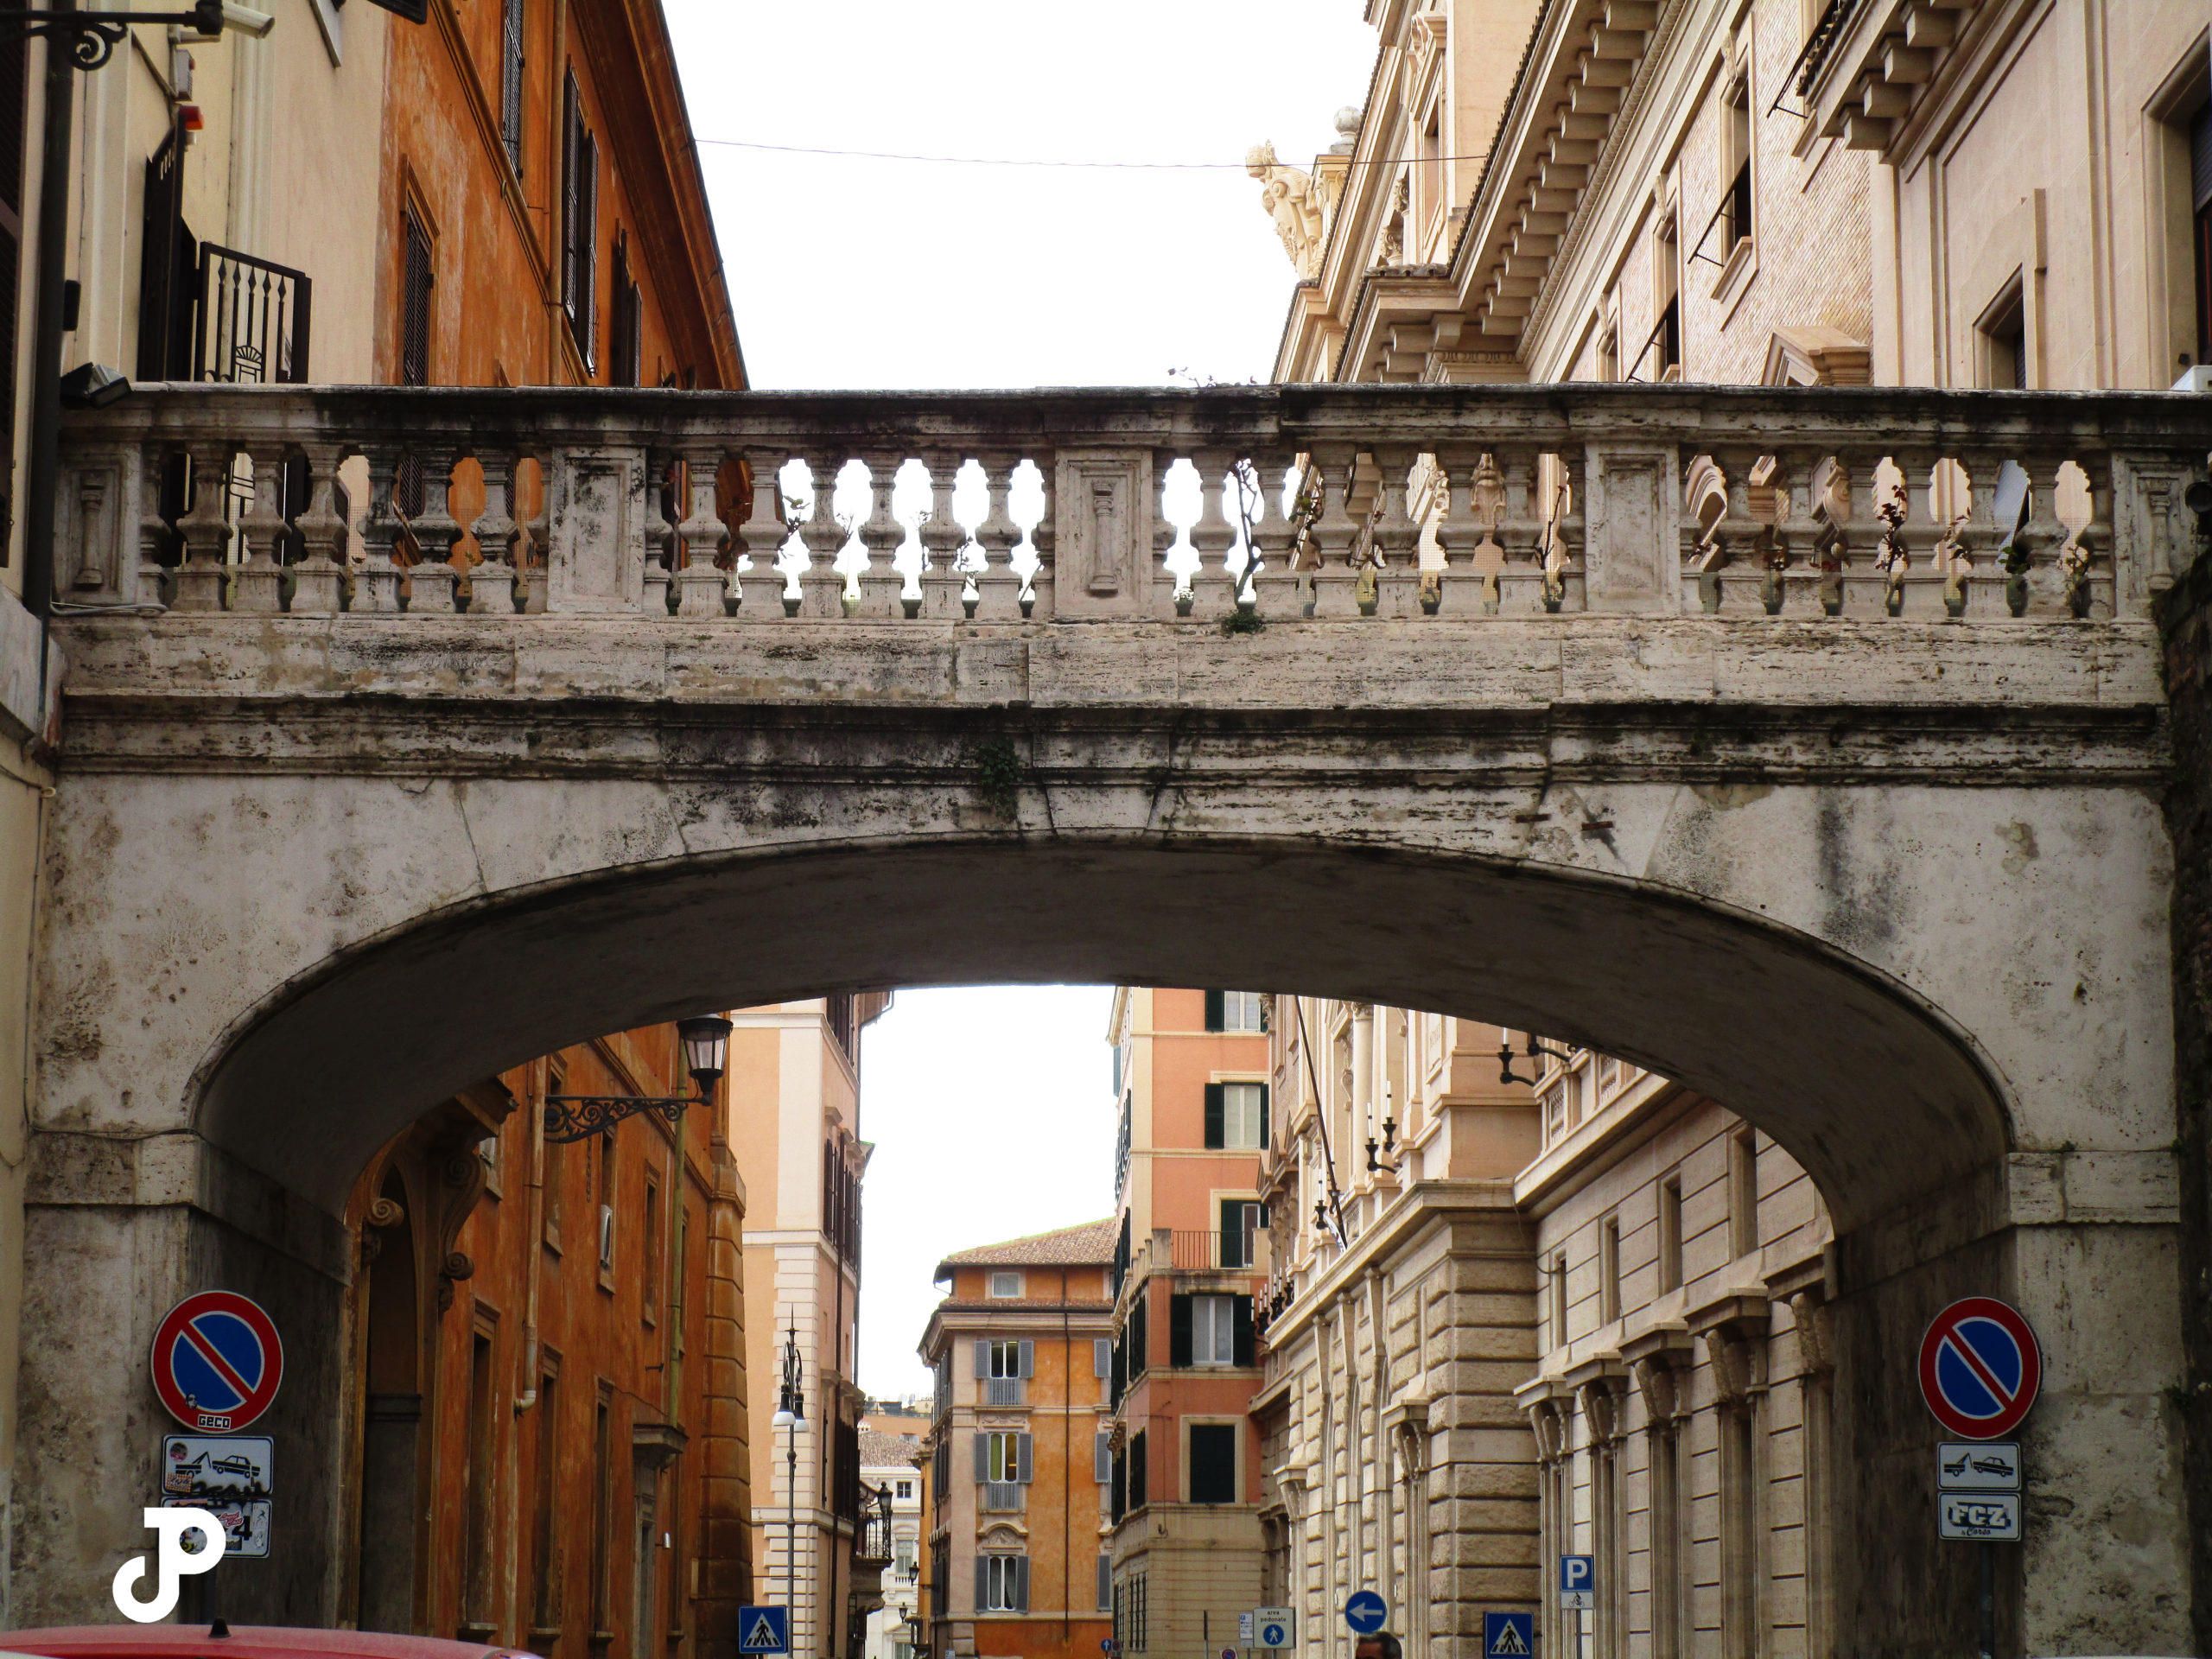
pixel 1870 1089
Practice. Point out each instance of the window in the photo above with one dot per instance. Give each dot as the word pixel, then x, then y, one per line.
pixel 1209 1331
pixel 1242 1221
pixel 1559 1301
pixel 1736 159
pixel 1213 1463
pixel 649 1302
pixel 1101 1452
pixel 1136 1337
pixel 1233 1011
pixel 1002 1584
pixel 579 223
pixel 511 82
pixel 2200 192
pixel 415 301
pixel 1139 1472
pixel 1006 1284
pixel 1105 1582
pixel 1002 1468
pixel 1670 1232
pixel 905 1489
pixel 627 343
pixel 2003 339
pixel 545 1542
pixel 483 1453
pixel 1002 1367
pixel 1667 285
pixel 1744 1192
pixel 1608 1269
pixel 1236 1116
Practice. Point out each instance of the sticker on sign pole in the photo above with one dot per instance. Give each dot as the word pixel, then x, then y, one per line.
pixel 217 1362
pixel 1979 1369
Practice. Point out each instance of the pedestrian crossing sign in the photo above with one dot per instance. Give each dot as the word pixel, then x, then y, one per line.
pixel 762 1630
pixel 1509 1636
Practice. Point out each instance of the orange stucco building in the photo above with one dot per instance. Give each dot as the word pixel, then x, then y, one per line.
pixel 545 1445
pixel 1190 1255
pixel 544 219
pixel 1018 1451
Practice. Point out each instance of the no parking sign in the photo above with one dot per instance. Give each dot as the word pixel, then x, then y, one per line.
pixel 1979 1368
pixel 217 1360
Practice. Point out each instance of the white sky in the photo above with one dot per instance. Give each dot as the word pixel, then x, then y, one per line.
pixel 896 273
pixel 991 1109
pixel 992 1112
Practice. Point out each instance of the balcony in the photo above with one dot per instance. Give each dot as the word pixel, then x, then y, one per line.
pixel 1429 507
pixel 1220 1252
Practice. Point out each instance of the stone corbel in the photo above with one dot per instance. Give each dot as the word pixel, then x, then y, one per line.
pixel 1813 1321
pixel 1405 1424
pixel 1292 1481
pixel 1734 1330
pixel 1548 1401
pixel 1660 1359
pixel 1601 1386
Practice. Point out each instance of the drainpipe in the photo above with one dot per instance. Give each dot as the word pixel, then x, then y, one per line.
pixel 44 461
pixel 533 1103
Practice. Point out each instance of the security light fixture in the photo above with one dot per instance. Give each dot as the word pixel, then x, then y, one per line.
pixel 92 37
pixel 93 386
pixel 705 1041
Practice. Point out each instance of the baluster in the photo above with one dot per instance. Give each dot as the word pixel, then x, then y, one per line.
pixel 1856 587
pixel 882 584
pixel 1397 537
pixel 1212 537
pixel 998 585
pixel 533 549
pixel 1332 534
pixel 1036 599
pixel 206 531
pixel 760 586
pixel 491 583
pixel 1520 534
pixel 376 586
pixel 1274 587
pixel 700 586
pixel 1794 586
pixel 822 585
pixel 2093 591
pixel 1915 585
pixel 943 537
pixel 657 535
pixel 430 582
pixel 1981 576
pixel 1566 584
pixel 2044 592
pixel 320 577
pixel 153 532
pixel 1170 597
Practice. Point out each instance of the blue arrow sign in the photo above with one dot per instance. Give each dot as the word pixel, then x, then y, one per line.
pixel 1364 1611
pixel 763 1629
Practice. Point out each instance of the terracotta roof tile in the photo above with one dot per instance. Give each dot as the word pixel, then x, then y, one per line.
pixel 1091 1245
pixel 887 1450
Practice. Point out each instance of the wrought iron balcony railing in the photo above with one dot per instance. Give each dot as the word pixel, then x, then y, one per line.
pixel 250 319
pixel 1433 506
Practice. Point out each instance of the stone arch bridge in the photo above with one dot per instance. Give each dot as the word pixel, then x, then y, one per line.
pixel 1811 784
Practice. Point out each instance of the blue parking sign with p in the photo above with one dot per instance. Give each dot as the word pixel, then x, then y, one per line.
pixel 1509 1636
pixel 1577 1581
pixel 763 1629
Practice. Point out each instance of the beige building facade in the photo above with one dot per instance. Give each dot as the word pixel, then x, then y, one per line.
pixel 794 1129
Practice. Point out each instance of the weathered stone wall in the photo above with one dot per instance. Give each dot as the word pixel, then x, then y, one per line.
pixel 2185 615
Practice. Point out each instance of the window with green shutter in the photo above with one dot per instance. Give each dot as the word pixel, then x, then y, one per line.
pixel 1213 1463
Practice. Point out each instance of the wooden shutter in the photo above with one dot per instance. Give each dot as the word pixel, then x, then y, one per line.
pixel 571 134
pixel 1028 1358
pixel 1241 1317
pixel 1217 1014
pixel 1216 1129
pixel 982 1358
pixel 1179 1330
pixel 1101 1356
pixel 1105 1582
pixel 415 303
pixel 1114 1376
pixel 1232 1233
pixel 982 1455
pixel 1018 1565
pixel 1103 1456
pixel 1213 1463
pixel 1264 1104
pixel 510 83
pixel 588 245
pixel 1141 1335
pixel 1139 1472
pixel 982 1584
pixel 1024 1471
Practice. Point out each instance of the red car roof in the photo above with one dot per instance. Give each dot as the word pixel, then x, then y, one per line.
pixel 245 1642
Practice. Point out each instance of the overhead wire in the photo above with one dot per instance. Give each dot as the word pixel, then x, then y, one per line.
pixel 1033 161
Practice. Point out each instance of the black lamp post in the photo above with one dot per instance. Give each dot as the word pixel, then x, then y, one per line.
pixel 790 1412
pixel 705 1039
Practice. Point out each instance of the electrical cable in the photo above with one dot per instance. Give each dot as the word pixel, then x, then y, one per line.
pixel 1019 161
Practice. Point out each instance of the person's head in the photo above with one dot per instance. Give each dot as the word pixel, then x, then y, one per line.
pixel 1380 1645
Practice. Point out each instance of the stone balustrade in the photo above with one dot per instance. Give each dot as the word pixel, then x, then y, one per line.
pixel 1429 505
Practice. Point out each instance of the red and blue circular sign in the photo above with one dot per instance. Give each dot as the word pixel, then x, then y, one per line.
pixel 217 1360
pixel 1979 1368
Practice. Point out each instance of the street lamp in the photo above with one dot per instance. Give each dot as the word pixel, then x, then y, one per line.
pixel 705 1041
pixel 790 1412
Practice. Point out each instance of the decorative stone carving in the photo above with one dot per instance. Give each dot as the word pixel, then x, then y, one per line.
pixel 1290 197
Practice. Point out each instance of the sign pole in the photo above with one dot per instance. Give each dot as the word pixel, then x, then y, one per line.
pixel 1988 1600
